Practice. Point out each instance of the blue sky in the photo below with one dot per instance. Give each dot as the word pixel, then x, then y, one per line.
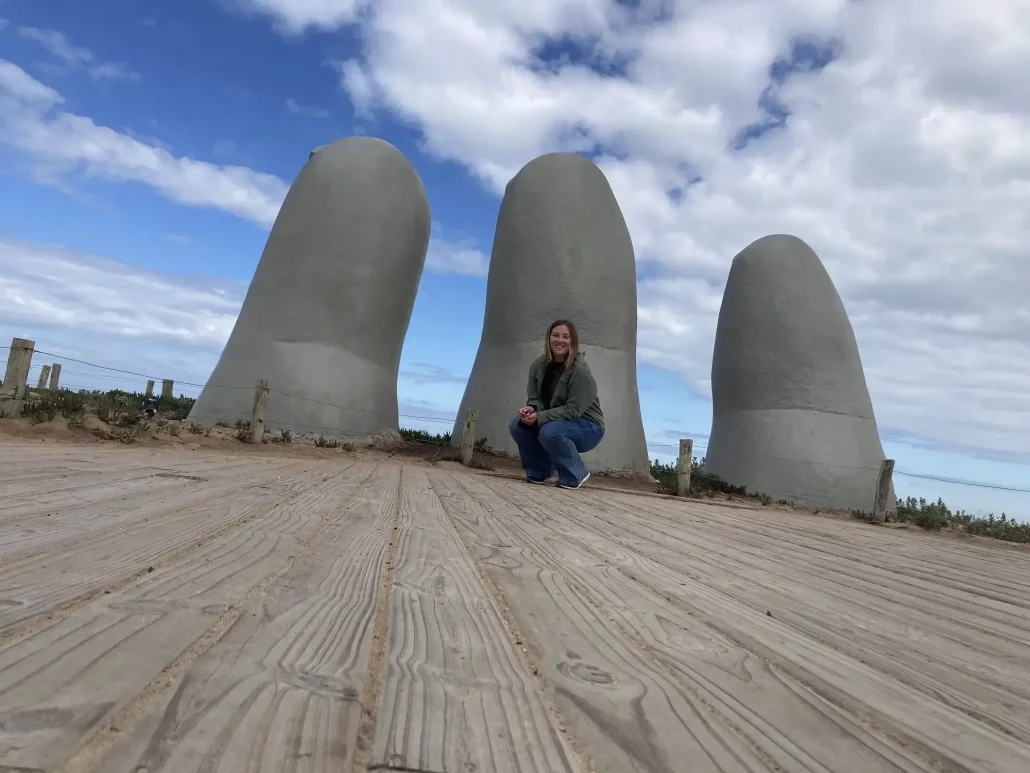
pixel 144 152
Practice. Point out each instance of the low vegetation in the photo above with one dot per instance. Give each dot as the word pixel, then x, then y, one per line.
pixel 933 516
pixel 424 438
pixel 937 516
pixel 447 452
pixel 116 407
pixel 701 485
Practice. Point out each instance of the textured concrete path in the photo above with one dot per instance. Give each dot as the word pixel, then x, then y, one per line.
pixel 187 612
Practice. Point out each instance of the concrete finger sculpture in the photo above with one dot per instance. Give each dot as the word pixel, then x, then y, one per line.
pixel 561 250
pixel 791 411
pixel 326 313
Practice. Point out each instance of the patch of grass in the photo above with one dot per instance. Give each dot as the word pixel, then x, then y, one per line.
pixel 422 437
pixel 175 408
pixel 937 516
pixel 72 404
pixel 52 402
pixel 132 434
pixel 223 424
pixel 701 483
pixel 44 409
pixel 101 433
pixel 322 442
pixel 196 429
pixel 242 434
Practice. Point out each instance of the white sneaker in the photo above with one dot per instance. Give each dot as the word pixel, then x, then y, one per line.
pixel 585 479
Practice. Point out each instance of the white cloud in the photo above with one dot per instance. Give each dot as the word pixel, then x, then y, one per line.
pixel 310 112
pixel 902 163
pixel 113 71
pixel 461 257
pixel 76 57
pixel 31 121
pixel 114 314
pixel 17 86
pixel 358 85
pixel 295 16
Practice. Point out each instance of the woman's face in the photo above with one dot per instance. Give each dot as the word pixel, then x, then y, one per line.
pixel 560 341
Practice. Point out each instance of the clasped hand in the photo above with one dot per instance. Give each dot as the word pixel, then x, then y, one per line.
pixel 528 415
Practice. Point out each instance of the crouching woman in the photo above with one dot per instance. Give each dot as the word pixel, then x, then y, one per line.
pixel 562 417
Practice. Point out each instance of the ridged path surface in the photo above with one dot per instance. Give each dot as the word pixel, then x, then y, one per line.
pixel 187 612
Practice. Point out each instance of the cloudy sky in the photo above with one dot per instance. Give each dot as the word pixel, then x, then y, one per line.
pixel 145 150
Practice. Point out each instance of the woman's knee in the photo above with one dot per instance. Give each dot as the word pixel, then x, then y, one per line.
pixel 551 432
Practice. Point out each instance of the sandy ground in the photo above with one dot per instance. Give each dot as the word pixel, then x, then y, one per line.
pixel 190 609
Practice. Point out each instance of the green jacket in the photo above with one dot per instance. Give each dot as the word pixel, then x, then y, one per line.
pixel 574 395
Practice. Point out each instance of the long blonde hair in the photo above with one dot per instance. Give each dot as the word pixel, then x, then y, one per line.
pixel 573 346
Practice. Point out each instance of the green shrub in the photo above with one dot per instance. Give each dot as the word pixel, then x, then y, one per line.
pixel 701 483
pixel 422 437
pixel 937 515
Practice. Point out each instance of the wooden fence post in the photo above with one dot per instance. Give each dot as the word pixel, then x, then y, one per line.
pixel 683 466
pixel 883 491
pixel 44 376
pixel 12 393
pixel 257 417
pixel 167 386
pixel 55 376
pixel 150 389
pixel 468 437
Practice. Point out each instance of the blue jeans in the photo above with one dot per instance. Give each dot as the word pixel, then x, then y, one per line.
pixel 556 446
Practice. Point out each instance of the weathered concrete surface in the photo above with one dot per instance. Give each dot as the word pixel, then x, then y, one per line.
pixel 561 250
pixel 179 612
pixel 327 311
pixel 791 411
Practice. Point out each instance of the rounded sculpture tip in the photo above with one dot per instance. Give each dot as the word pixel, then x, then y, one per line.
pixel 791 411
pixel 558 165
pixel 373 149
pixel 326 313
pixel 783 338
pixel 776 251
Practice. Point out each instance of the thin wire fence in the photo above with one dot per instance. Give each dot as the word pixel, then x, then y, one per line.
pixel 131 376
